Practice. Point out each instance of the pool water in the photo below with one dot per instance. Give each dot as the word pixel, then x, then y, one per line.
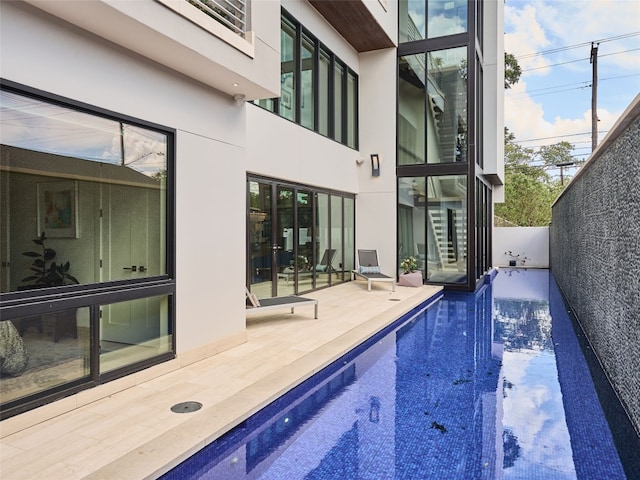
pixel 488 385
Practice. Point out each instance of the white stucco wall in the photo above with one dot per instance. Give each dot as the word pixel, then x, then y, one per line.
pixel 210 154
pixel 376 201
pixel 530 242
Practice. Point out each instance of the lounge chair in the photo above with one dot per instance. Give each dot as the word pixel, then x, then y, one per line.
pixel 278 303
pixel 327 259
pixel 369 269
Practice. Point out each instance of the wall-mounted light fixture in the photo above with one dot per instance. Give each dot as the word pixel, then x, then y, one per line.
pixel 375 165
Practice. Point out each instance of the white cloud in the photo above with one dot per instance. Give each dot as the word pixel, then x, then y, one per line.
pixel 541 25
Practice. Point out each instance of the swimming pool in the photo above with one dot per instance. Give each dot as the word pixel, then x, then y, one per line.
pixel 486 385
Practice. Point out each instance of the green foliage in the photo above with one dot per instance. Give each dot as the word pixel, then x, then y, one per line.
pixel 512 70
pixel 48 273
pixel 409 265
pixel 529 190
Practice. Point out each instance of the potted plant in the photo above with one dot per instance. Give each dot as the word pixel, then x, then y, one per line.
pixel 47 272
pixel 412 277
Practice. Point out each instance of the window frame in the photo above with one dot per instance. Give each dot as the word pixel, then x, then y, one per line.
pixel 93 295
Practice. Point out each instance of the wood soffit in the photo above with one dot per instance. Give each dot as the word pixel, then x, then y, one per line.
pixel 353 20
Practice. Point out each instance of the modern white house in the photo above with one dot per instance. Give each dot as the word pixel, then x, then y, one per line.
pixel 174 152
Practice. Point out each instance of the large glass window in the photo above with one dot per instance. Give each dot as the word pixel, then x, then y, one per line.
pixel 324 101
pixel 287 70
pixel 446 17
pixel 447 100
pixel 311 244
pixel 84 200
pixel 447 217
pixel 412 110
pixel 327 102
pixel 308 90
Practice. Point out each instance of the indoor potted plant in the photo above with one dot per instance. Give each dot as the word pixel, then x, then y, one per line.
pixel 47 272
pixel 412 277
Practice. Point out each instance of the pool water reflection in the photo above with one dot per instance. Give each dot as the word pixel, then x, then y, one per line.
pixel 489 385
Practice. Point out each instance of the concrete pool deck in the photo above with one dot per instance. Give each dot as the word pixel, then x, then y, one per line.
pixel 133 434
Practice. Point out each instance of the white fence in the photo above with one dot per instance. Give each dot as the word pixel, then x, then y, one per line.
pixel 529 246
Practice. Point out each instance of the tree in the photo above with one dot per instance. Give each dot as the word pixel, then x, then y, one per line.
pixel 529 189
pixel 512 70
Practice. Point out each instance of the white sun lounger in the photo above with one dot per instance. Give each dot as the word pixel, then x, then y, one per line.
pixel 370 269
pixel 278 303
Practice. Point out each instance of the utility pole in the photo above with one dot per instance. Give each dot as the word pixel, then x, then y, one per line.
pixel 594 96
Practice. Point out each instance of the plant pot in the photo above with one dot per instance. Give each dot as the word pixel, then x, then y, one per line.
pixel 413 279
pixel 512 263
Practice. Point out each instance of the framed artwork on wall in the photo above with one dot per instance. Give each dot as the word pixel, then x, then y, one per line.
pixel 58 209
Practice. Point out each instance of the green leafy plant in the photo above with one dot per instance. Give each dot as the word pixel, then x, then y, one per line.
pixel 47 272
pixel 409 265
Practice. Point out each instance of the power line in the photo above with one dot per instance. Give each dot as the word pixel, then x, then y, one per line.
pixel 578 45
pixel 557 136
pixel 582 85
pixel 578 60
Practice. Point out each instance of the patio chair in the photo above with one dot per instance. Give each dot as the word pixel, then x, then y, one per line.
pixel 369 269
pixel 325 265
pixel 278 303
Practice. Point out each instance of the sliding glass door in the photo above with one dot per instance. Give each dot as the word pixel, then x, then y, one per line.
pixel 299 239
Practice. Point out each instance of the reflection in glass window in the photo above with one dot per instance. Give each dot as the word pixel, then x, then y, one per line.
pixel 287 70
pixel 323 93
pixel 447 100
pixel 352 109
pixel 411 17
pixel 133 331
pixel 411 110
pixel 47 351
pixel 447 232
pixel 446 17
pixel 94 188
pixel 412 222
pixel 307 92
pixel 338 75
pixel 322 234
pixel 328 104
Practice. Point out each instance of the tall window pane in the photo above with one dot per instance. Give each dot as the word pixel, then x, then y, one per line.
pixel 337 241
pixel 447 114
pixel 411 110
pixel 322 236
pixel 352 110
pixel 305 240
pixel 338 99
pixel 446 17
pixel 349 238
pixel 307 95
pixel 412 221
pixel 287 70
pixel 411 20
pixel 323 93
pixel 447 219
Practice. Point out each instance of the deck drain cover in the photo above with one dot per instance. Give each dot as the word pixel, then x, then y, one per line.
pixel 186 407
pixel 394 299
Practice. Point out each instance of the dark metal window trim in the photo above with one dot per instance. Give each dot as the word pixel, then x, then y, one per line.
pixel 296 187
pixel 300 31
pixel 34 302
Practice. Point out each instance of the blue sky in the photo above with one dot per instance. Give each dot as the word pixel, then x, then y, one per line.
pixel 552 101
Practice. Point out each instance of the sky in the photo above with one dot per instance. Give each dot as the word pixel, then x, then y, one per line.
pixel 551 40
